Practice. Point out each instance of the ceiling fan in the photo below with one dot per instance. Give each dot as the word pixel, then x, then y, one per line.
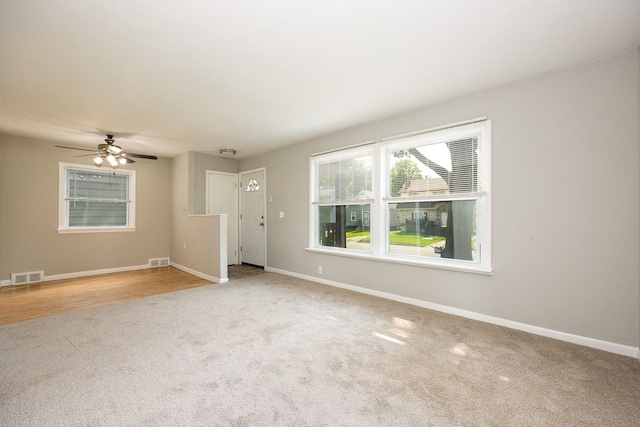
pixel 111 153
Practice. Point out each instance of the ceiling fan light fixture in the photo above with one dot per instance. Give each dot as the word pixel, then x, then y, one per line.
pixel 114 149
pixel 113 154
pixel 112 160
pixel 227 152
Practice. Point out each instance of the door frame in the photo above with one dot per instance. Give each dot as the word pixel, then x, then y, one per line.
pixel 237 213
pixel 264 210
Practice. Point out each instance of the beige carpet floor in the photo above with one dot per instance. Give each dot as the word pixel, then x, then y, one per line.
pixel 267 349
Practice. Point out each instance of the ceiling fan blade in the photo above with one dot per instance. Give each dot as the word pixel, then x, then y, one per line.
pixel 130 161
pixel 140 156
pixel 86 155
pixel 75 148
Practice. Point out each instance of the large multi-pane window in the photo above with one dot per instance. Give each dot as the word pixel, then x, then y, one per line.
pixel 425 198
pixel 96 200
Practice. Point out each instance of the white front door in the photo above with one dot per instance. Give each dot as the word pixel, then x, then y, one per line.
pixel 252 217
pixel 222 198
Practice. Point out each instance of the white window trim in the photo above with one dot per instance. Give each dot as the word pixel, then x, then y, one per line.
pixel 378 212
pixel 452 264
pixel 63 219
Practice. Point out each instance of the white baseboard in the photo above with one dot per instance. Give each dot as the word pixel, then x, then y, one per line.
pixel 94 272
pixel 623 350
pixel 199 274
pixel 118 270
pixel 84 273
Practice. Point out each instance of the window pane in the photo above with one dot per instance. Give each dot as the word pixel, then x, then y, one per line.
pixel 438 229
pixel 345 180
pixel 429 169
pixel 344 226
pixel 97 214
pixel 97 185
pixel 253 186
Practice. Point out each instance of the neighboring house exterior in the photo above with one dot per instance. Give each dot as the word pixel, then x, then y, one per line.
pixel 336 220
pixel 435 212
pixel 358 215
pixel 424 187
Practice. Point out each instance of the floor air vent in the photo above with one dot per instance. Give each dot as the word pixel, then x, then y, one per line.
pixel 26 278
pixel 159 262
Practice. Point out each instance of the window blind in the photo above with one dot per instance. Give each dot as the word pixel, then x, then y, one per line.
pixel 344 178
pixel 97 186
pixel 454 165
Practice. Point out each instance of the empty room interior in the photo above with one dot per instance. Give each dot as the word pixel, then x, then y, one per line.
pixel 320 213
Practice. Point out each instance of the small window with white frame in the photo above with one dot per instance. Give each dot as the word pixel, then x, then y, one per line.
pixel 95 200
pixel 428 202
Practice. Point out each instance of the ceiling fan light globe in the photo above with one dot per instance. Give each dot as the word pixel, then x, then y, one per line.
pixel 114 149
pixel 122 161
pixel 98 161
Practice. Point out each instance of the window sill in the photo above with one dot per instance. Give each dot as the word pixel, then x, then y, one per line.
pixel 95 230
pixel 398 260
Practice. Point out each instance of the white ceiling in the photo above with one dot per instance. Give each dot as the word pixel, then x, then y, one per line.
pixel 174 76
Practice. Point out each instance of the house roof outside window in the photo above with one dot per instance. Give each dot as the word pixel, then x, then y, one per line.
pixel 424 187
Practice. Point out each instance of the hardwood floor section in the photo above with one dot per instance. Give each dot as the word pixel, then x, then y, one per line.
pixel 20 303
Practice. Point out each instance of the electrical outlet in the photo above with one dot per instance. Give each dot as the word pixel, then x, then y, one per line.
pixel 319 269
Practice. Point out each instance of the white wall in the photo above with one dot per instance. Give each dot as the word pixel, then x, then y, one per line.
pixel 565 205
